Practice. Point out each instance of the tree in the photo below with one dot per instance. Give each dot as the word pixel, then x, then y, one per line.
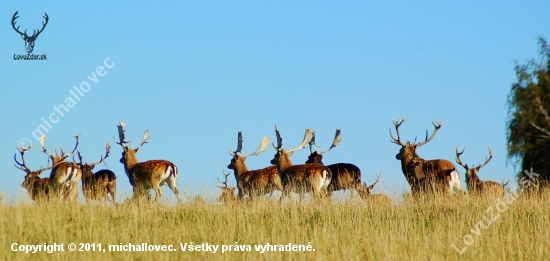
pixel 529 146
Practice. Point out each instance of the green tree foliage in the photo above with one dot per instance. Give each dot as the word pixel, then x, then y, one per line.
pixel 528 146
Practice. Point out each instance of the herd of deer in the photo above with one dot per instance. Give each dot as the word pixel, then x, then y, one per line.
pixel 424 176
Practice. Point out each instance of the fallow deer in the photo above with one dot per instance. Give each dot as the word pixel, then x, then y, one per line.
pixel 228 193
pixel 344 175
pixel 425 175
pixel 151 174
pixel 313 177
pixel 64 176
pixel 364 192
pixel 97 186
pixel 474 185
pixel 37 188
pixel 254 182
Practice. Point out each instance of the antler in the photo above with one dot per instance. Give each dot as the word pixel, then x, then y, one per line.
pixel 121 136
pixel 22 166
pixel 42 140
pixel 397 124
pixel 43 26
pixel 458 157
pixel 307 137
pixel 146 137
pixel 239 145
pixel 224 183
pixel 377 178
pixel 72 152
pixel 263 145
pixel 102 159
pixel 312 144
pixel 437 126
pixel 335 142
pixel 279 139
pixel 486 159
pixel 13 23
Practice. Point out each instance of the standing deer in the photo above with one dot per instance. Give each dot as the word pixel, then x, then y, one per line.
pixel 473 183
pixel 64 176
pixel 228 193
pixel 313 177
pixel 97 186
pixel 425 175
pixel 37 188
pixel 364 192
pixel 253 182
pixel 150 174
pixel 344 175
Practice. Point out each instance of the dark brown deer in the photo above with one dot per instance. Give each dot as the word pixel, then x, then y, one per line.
pixel 97 186
pixel 149 174
pixel 364 192
pixel 344 175
pixel 475 186
pixel 313 177
pixel 64 176
pixel 437 175
pixel 29 40
pixel 37 188
pixel 254 182
pixel 228 193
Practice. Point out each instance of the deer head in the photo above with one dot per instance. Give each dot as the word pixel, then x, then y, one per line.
pixel 317 156
pixel 237 160
pixel 31 176
pixel 29 40
pixel 88 167
pixel 228 193
pixel 364 190
pixel 282 157
pixel 128 153
pixel 58 158
pixel 408 150
pixel 472 173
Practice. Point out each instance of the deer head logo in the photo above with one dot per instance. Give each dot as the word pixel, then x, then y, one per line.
pixel 29 40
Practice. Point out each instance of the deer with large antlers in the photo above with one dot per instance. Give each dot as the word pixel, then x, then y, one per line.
pixel 473 183
pixel 437 175
pixel 313 177
pixel 344 175
pixel 96 186
pixel 29 40
pixel 37 188
pixel 228 193
pixel 150 174
pixel 253 182
pixel 64 176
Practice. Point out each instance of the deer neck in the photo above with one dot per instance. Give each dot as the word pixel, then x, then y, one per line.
pixel 284 162
pixel 240 167
pixel 130 161
pixel 471 177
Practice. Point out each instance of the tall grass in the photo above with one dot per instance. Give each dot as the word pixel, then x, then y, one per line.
pixel 420 230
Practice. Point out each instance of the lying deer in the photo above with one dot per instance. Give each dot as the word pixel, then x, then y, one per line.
pixel 473 183
pixel 37 188
pixel 344 175
pixel 364 192
pixel 253 182
pixel 313 177
pixel 64 176
pixel 149 174
pixel 97 186
pixel 437 175
pixel 228 193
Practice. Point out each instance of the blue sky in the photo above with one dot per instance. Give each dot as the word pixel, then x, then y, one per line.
pixel 196 73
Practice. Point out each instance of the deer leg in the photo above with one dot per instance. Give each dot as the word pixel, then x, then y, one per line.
pixel 173 186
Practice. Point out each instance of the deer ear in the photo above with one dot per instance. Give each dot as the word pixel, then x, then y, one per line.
pixel 290 153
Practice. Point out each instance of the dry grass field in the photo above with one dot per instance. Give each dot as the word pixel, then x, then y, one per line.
pixel 422 230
